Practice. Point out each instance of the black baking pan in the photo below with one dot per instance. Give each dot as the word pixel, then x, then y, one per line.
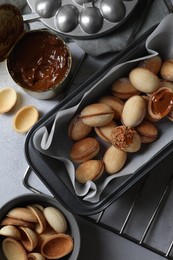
pixel 46 167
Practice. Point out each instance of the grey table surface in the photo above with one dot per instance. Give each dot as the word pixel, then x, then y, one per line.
pixel 13 164
pixel 105 244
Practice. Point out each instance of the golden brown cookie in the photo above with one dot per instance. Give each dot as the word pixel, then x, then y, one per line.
pixel 104 132
pixel 90 170
pixel 114 159
pixel 166 70
pixel 144 80
pixel 148 131
pixel 115 103
pixel 77 129
pixel 85 149
pixel 97 114
pixel 123 88
pixel 153 64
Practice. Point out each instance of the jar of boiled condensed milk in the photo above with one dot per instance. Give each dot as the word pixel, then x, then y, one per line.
pixel 39 61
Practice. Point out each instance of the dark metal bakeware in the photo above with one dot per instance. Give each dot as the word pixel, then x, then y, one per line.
pixel 88 19
pixel 46 167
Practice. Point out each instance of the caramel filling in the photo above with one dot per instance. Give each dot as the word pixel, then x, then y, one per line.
pixel 39 61
pixel 162 102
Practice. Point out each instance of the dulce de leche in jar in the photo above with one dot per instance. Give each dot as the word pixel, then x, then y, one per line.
pixel 40 63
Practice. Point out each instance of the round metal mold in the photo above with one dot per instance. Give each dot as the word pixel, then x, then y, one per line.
pixel 91 20
pixel 47 8
pixel 88 18
pixel 66 18
pixel 109 10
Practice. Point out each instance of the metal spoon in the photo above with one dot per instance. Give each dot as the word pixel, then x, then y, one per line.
pixel 43 9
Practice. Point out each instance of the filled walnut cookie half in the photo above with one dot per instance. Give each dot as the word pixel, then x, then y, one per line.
pixel 160 103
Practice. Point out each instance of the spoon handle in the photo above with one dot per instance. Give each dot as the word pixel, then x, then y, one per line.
pixel 31 17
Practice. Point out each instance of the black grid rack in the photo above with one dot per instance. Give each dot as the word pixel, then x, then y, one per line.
pixel 144 214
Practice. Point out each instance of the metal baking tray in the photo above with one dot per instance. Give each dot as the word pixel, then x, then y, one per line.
pixel 85 18
pixel 46 167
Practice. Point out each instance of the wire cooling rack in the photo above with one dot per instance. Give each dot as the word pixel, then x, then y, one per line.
pixel 144 214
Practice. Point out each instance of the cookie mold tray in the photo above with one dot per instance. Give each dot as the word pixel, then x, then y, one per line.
pixel 87 19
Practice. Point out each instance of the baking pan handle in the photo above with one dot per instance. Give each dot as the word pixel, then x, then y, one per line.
pixel 26 183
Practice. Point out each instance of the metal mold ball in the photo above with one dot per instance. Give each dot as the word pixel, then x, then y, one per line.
pixel 47 8
pixel 66 18
pixel 113 11
pixel 91 20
